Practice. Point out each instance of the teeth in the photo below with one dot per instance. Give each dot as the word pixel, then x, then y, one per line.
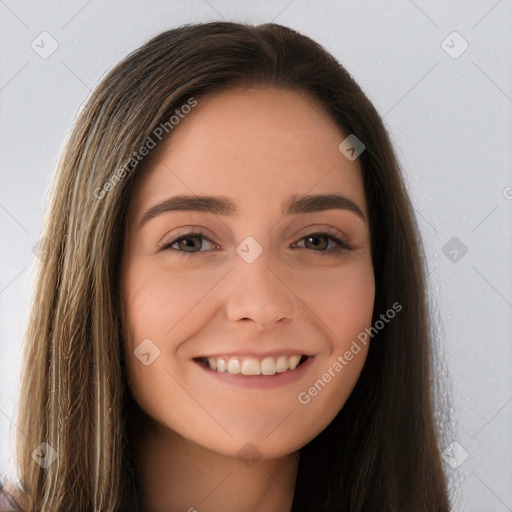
pixel 234 366
pixel 222 364
pixel 268 366
pixel 252 365
pixel 294 362
pixel 281 364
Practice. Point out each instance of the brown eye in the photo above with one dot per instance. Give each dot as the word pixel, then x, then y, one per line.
pixel 189 243
pixel 319 242
pixel 316 242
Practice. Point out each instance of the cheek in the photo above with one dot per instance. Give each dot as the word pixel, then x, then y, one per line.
pixel 344 307
pixel 342 301
pixel 162 308
pixel 160 303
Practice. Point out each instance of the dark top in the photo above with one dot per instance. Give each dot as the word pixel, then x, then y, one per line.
pixel 7 501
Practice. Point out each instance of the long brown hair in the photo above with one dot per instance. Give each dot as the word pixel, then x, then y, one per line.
pixel 380 453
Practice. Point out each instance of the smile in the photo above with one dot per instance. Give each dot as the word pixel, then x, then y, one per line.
pixel 249 365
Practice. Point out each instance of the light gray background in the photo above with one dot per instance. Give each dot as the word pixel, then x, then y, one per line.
pixel 450 120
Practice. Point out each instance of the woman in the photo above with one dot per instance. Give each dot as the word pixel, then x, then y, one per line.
pixel 230 312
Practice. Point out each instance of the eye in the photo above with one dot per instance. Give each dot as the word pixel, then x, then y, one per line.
pixel 319 242
pixel 190 243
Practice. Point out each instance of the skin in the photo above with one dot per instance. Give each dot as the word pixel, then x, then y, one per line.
pixel 257 147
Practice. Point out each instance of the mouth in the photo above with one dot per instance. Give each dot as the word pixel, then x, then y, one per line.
pixel 250 366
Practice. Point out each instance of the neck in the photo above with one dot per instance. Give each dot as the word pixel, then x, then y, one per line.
pixel 178 475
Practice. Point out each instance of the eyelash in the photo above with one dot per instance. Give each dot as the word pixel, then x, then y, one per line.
pixel 341 247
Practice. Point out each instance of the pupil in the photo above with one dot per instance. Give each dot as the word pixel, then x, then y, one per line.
pixel 196 243
pixel 315 245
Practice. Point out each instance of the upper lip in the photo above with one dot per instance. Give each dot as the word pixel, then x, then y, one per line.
pixel 257 355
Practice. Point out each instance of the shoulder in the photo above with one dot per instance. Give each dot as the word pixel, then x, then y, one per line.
pixel 8 502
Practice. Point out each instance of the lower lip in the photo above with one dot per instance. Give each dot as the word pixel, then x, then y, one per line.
pixel 260 381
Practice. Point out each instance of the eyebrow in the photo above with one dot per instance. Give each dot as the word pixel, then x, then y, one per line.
pixel 220 205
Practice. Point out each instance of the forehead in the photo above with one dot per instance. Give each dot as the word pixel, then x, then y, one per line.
pixel 258 146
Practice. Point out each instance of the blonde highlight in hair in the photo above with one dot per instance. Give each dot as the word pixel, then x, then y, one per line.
pixel 73 381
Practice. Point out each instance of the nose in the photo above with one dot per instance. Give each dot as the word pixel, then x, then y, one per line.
pixel 259 292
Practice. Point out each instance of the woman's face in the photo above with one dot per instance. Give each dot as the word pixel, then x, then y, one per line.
pixel 250 279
